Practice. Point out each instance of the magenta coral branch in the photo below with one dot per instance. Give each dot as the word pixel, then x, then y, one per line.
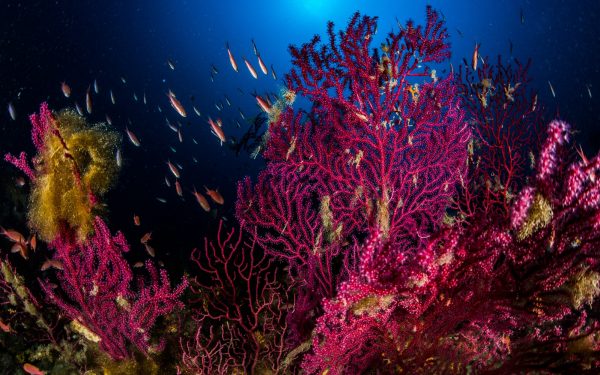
pixel 96 280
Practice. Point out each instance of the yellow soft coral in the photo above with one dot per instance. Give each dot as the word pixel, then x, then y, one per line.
pixel 69 175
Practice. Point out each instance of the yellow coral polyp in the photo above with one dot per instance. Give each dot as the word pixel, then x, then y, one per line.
pixel 68 177
pixel 539 216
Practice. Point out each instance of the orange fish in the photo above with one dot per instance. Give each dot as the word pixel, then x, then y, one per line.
pixel 33 242
pixel 51 263
pixel 178 188
pixel 88 101
pixel 262 65
pixel 136 220
pixel 4 327
pixel 215 195
pixel 21 248
pixel 173 169
pixel 33 370
pixel 231 59
pixel 251 69
pixel 263 104
pixel 12 235
pixel 475 57
pixel 146 237
pixel 138 265
pixel 216 130
pixel 180 135
pixel 66 89
pixel 202 201
pixel 176 104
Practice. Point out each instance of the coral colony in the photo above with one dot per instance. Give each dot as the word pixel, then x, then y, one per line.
pixel 407 222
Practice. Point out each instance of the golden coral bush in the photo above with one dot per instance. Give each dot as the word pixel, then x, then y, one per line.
pixel 76 165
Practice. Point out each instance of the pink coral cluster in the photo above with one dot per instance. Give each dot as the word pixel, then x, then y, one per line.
pixel 96 292
pixel 446 259
pixel 383 148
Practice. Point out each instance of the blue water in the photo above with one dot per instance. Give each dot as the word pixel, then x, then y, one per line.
pixel 43 43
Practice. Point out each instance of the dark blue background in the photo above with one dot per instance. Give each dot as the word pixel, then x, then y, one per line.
pixel 45 42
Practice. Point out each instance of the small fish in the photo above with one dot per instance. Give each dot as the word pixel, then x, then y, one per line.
pixel 254 47
pixel 262 65
pixel 96 89
pixel 88 101
pixel 173 169
pixel 459 32
pixel 119 158
pixel 552 89
pixel 32 370
pixel 150 250
pixel 20 181
pixel 136 220
pixel 144 98
pixel 251 69
pixel 180 135
pixel 197 111
pixel 132 138
pixel 534 104
pixel 178 188
pixel 173 150
pixel 273 72
pixel 161 200
pixel 215 195
pixel 227 101
pixel 138 264
pixel 194 159
pixel 159 108
pixel 195 141
pixel 123 80
pixel 475 57
pixel 78 108
pixel 52 263
pixel 214 69
pixel 33 242
pixel 217 131
pixel 108 120
pixel 112 97
pixel 179 166
pixel 231 59
pixel 66 89
pixel 263 104
pixel 171 64
pixel 167 182
pixel 12 235
pixel 589 90
pixel 176 104
pixel 202 201
pixel 241 114
pixel 135 97
pixel 146 237
pixel 21 248
pixel 522 16
pixel 5 327
pixel 11 111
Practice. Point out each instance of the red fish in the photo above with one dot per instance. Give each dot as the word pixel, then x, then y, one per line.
pixel 263 104
pixel 202 201
pixel 215 195
pixel 132 138
pixel 216 130
pixel 251 69
pixel 66 90
pixel 32 370
pixel 173 169
pixel 176 104
pixel 231 59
